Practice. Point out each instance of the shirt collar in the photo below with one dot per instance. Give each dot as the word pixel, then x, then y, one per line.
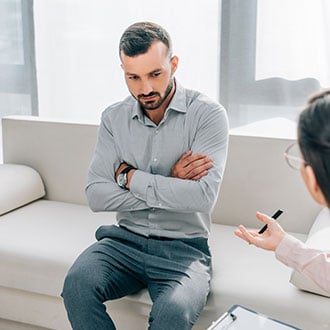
pixel 178 102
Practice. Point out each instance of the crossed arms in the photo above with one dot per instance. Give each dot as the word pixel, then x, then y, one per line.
pixel 192 182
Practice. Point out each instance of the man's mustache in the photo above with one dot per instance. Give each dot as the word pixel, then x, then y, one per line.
pixel 148 95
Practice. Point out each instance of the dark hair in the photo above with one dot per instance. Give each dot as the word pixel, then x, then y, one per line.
pixel 138 38
pixel 314 138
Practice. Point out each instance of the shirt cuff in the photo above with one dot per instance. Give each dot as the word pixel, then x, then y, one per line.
pixel 139 184
pixel 285 248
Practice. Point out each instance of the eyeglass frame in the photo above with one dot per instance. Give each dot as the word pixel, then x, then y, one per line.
pixel 289 157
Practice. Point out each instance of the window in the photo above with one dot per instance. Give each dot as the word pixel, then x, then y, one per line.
pixel 266 68
pixel 18 92
pixel 79 71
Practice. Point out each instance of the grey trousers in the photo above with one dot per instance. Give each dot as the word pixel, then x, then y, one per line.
pixel 176 273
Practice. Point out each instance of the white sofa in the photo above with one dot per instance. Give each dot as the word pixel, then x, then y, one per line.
pixel 40 239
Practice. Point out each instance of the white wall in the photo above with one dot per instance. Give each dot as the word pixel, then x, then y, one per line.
pixel 78 67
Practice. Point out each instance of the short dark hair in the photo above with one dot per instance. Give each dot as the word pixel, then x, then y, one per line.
pixel 138 38
pixel 314 138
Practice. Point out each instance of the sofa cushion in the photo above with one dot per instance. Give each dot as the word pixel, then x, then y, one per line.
pixel 40 241
pixel 318 238
pixel 20 185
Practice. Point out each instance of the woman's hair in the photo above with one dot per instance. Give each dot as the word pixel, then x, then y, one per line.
pixel 314 138
pixel 138 38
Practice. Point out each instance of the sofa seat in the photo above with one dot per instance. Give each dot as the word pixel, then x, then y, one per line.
pixel 46 246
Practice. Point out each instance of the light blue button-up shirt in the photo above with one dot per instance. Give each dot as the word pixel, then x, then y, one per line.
pixel 156 203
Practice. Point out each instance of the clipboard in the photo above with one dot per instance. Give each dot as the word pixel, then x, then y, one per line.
pixel 239 317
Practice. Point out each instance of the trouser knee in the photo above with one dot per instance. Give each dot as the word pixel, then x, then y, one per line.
pixel 79 287
pixel 173 316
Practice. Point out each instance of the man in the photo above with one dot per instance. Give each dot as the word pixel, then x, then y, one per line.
pixel 158 162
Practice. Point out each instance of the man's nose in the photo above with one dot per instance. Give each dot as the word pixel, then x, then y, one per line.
pixel 146 87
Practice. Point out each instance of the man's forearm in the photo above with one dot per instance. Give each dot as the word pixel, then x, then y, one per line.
pixel 188 167
pixel 176 194
pixel 109 197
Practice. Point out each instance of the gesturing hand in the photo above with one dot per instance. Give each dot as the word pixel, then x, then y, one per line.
pixel 267 240
pixel 191 167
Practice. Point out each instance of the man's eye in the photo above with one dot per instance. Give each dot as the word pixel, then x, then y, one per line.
pixel 156 74
pixel 132 77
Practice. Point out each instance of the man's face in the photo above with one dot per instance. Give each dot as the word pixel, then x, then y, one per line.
pixel 149 76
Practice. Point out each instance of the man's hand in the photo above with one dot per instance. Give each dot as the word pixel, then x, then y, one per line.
pixel 191 167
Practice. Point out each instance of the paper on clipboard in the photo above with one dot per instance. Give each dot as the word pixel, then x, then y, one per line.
pixel 239 317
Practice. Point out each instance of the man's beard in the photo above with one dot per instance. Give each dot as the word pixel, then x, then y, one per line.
pixel 153 105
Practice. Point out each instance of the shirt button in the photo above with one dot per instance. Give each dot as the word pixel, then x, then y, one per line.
pixel 156 131
pixel 155 159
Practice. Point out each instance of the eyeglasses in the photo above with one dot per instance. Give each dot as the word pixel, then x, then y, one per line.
pixel 293 157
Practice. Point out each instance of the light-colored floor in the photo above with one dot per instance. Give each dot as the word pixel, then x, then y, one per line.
pixel 9 325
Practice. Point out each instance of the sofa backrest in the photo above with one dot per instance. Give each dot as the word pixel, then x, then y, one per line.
pixel 256 176
pixel 59 151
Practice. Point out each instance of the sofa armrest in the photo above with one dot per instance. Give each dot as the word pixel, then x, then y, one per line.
pixel 20 185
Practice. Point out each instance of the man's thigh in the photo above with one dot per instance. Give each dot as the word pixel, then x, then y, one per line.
pixel 179 281
pixel 112 267
pixel 177 259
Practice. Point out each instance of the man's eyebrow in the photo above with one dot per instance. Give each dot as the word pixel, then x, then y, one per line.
pixel 131 74
pixel 151 72
pixel 156 70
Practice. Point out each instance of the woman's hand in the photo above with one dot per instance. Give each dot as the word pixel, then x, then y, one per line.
pixel 268 240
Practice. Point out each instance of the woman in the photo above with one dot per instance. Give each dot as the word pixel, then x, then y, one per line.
pixel 314 164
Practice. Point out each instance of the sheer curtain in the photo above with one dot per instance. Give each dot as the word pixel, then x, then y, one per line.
pixel 78 66
pixel 18 90
pixel 293 40
pixel 18 93
pixel 274 54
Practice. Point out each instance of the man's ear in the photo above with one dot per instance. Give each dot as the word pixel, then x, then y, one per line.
pixel 174 64
pixel 313 186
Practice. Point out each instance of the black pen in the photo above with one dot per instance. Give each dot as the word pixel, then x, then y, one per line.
pixel 274 216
